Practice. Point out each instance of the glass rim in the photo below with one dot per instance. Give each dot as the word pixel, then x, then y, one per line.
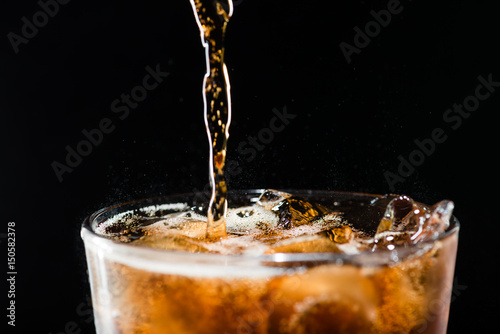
pixel 363 258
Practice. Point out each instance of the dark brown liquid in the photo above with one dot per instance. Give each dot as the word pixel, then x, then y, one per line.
pixel 212 17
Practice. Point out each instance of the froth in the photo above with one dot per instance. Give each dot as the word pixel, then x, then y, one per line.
pixel 245 219
pixel 251 230
pixel 152 209
pixel 128 218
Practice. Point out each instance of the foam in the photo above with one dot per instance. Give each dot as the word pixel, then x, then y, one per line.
pixel 127 217
pixel 123 216
pixel 252 230
pixel 259 216
pixel 152 209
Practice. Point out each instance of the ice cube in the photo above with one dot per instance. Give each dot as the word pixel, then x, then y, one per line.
pixel 435 221
pixel 390 239
pixel 388 235
pixel 406 222
pixel 270 198
pixel 291 210
pixel 367 217
pixel 341 234
pixel 330 315
pixel 340 300
pixel 395 212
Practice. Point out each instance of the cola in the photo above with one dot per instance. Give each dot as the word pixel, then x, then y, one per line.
pixel 346 263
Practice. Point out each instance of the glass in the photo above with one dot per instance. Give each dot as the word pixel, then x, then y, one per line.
pixel 143 290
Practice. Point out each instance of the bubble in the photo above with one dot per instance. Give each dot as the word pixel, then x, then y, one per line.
pixel 280 222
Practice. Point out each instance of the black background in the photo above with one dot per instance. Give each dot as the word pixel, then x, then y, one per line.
pixel 352 122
